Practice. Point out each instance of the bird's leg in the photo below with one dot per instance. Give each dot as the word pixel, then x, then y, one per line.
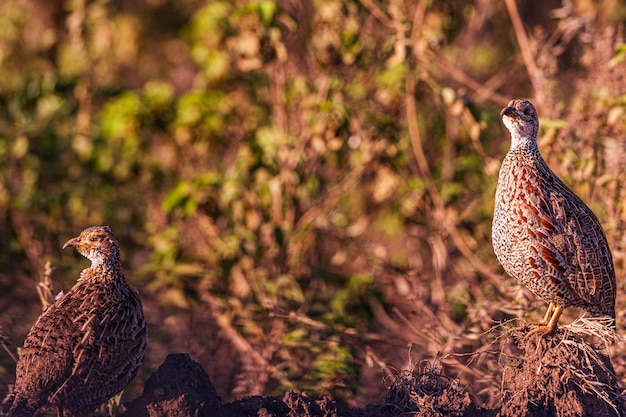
pixel 546 318
pixel 59 412
pixel 550 326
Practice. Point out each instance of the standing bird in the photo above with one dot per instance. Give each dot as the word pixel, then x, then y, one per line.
pixel 543 234
pixel 89 343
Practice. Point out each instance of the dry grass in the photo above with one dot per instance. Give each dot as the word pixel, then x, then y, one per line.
pixel 427 392
pixel 5 343
pixel 600 328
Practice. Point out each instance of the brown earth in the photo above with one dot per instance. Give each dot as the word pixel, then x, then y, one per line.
pixel 559 375
pixel 562 375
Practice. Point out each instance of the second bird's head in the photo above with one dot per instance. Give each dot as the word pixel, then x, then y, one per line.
pixel 98 244
pixel 520 118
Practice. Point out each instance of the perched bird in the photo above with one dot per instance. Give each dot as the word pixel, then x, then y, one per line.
pixel 543 234
pixel 89 343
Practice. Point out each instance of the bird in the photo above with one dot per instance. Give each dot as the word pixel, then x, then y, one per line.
pixel 543 234
pixel 89 343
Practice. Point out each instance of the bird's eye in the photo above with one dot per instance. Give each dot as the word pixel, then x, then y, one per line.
pixel 93 238
pixel 526 111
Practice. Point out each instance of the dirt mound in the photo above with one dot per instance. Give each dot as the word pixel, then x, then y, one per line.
pixel 558 375
pixel 179 388
pixel 425 394
pixel 290 404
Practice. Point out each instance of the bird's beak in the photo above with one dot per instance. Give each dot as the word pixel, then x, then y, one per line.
pixel 72 242
pixel 507 111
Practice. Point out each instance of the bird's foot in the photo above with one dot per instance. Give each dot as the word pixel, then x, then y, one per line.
pixel 549 322
pixel 548 316
pixel 543 330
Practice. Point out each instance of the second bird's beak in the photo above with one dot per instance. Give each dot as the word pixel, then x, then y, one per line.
pixel 72 242
pixel 507 111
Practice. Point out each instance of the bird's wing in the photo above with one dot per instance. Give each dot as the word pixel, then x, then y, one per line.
pixel 45 360
pixel 595 274
pixel 581 240
pixel 113 346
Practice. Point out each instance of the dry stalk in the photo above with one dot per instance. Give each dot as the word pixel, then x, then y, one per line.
pixel 44 287
pixel 599 327
pixel 535 75
pixel 5 343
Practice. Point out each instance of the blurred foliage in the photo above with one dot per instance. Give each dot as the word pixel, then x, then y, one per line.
pixel 301 188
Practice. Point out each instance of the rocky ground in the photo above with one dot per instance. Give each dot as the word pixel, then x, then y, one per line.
pixel 560 375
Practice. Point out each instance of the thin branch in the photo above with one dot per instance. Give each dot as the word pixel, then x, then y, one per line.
pixel 5 342
pixel 418 19
pixel 411 109
pixel 522 39
pixel 332 196
pixel 377 13
pixel 483 91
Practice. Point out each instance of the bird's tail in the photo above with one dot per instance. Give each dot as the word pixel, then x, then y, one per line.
pixel 14 407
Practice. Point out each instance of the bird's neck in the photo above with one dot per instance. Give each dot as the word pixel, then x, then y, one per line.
pixel 523 142
pixel 97 259
pixel 521 152
pixel 102 268
pixel 107 257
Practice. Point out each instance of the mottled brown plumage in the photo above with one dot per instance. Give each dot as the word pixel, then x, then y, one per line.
pixel 543 234
pixel 89 343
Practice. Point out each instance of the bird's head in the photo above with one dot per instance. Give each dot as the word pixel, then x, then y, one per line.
pixel 98 244
pixel 520 117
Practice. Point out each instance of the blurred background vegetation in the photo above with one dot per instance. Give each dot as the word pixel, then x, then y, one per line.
pixel 302 189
